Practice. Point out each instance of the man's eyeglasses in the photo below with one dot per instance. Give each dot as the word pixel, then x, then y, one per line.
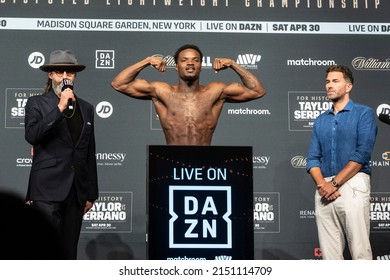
pixel 61 73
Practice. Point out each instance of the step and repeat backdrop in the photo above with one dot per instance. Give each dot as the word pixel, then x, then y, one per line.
pixel 286 44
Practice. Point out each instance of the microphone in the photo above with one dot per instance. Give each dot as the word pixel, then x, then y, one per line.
pixel 66 83
pixel 384 118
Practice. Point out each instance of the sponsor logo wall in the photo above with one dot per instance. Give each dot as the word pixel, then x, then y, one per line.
pixel 287 44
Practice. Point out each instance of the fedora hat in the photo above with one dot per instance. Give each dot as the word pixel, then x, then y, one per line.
pixel 62 60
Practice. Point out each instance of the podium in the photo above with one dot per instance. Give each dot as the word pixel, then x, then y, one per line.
pixel 200 203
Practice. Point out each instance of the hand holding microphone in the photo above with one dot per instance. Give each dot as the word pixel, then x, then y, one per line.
pixel 67 93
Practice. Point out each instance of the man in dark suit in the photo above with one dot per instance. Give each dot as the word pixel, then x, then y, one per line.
pixel 60 126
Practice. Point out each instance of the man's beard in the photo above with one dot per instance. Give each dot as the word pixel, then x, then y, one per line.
pixel 190 79
pixel 335 99
pixel 57 89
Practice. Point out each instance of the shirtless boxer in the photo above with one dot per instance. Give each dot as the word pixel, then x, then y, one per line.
pixel 188 111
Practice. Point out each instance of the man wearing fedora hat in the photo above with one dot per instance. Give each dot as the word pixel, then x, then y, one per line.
pixel 63 179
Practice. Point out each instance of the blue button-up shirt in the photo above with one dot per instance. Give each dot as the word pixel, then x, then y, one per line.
pixel 347 136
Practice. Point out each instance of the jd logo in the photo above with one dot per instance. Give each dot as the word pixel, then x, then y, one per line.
pixel 36 59
pixel 104 109
pixel 200 217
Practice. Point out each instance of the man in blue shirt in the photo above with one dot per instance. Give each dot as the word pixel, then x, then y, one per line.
pixel 338 161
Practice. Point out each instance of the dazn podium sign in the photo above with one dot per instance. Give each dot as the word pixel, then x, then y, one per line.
pixel 200 203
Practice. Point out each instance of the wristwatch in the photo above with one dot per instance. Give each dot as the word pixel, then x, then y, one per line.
pixel 334 183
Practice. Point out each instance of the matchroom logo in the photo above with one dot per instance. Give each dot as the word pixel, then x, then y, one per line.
pixel 200 217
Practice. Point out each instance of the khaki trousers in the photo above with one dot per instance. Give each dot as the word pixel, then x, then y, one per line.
pixel 346 219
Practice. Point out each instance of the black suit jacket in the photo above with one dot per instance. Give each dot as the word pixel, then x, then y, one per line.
pixel 57 160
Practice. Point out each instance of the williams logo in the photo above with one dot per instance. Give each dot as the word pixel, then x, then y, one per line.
pixel 299 162
pixel 364 63
pixel 200 217
pixel 169 59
